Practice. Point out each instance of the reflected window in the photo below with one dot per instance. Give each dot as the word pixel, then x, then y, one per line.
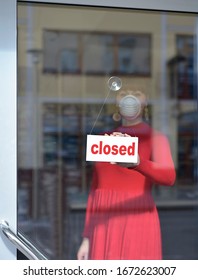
pixel 61 52
pixel 186 69
pixel 134 54
pixel 97 53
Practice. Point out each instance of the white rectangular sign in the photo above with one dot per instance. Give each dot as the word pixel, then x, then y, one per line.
pixel 112 148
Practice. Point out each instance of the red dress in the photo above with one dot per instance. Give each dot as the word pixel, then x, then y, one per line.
pixel 121 218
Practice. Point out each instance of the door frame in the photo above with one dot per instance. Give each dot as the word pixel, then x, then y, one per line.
pixel 8 123
pixel 8 90
pixel 155 5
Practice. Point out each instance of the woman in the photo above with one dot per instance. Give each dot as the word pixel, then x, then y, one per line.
pixel 121 218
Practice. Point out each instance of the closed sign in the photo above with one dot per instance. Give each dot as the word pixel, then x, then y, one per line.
pixel 112 148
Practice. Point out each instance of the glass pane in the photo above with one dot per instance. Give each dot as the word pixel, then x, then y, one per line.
pixel 98 55
pixel 134 54
pixel 61 52
pixel 96 71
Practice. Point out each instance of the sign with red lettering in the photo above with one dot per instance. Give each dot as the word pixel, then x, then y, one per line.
pixel 112 148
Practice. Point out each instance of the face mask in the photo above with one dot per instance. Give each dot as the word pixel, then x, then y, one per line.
pixel 130 107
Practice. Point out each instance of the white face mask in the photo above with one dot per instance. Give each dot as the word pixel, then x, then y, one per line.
pixel 130 107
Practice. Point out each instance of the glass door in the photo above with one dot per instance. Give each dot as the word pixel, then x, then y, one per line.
pixel 62 94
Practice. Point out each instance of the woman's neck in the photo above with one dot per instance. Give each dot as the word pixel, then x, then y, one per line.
pixel 131 122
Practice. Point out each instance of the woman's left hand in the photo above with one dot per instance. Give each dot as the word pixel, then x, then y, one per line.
pixel 124 164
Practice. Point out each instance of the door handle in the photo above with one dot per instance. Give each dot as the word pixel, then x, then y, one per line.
pixel 21 243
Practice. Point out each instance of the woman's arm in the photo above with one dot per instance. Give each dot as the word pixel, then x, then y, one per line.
pixel 160 168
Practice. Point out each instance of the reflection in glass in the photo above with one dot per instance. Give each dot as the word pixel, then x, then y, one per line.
pixel 98 53
pixel 60 52
pixel 134 54
pixel 60 95
pixel 186 76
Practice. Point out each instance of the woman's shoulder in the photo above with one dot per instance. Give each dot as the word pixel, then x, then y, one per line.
pixel 159 135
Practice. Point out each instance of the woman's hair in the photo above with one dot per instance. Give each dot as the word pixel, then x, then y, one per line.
pixel 132 87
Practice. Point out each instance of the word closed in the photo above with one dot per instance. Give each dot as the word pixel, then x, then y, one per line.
pixel 112 148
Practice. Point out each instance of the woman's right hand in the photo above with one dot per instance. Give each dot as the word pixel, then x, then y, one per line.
pixel 83 250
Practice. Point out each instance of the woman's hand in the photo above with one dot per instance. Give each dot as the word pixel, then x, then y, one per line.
pixel 128 164
pixel 124 164
pixel 83 250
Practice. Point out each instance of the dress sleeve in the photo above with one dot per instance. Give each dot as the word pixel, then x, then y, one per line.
pixel 160 169
pixel 89 209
